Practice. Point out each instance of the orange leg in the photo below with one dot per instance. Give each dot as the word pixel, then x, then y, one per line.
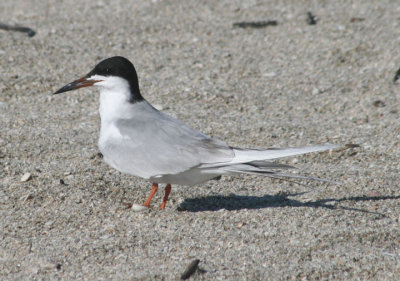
pixel 152 192
pixel 167 191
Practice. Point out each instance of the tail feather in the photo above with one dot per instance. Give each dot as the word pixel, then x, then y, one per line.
pixel 263 155
pixel 253 161
pixel 247 155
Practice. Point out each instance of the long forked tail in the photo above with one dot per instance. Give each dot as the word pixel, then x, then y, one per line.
pixel 257 161
pixel 246 155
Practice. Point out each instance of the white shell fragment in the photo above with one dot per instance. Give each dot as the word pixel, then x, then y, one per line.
pixel 138 208
pixel 26 177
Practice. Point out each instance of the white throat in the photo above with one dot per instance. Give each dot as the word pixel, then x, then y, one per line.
pixel 114 98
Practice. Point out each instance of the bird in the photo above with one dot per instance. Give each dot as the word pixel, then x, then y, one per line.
pixel 139 140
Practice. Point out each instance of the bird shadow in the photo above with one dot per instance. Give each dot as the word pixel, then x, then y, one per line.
pixel 237 202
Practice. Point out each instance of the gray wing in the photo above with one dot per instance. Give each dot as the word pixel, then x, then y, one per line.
pixel 157 144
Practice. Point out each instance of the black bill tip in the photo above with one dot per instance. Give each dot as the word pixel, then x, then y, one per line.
pixel 80 83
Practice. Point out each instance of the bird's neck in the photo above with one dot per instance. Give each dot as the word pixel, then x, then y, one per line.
pixel 114 105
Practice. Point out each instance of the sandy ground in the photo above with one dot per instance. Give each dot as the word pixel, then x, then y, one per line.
pixel 287 85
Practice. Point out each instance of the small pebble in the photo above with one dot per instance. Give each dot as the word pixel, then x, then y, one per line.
pixel 49 224
pixel 26 177
pixel 379 103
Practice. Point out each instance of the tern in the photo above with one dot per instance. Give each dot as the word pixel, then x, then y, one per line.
pixel 137 139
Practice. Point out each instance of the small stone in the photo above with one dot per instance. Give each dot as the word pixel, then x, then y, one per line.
pixel 26 177
pixel 49 224
pixel 379 103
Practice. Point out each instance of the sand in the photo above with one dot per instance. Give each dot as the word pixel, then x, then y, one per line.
pixel 292 84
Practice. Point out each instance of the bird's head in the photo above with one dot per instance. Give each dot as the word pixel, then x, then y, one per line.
pixel 112 74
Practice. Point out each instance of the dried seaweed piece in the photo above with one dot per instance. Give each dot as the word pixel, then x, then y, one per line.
pixel 311 20
pixel 397 76
pixel 191 268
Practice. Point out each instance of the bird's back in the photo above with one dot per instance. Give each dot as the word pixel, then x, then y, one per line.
pixel 149 143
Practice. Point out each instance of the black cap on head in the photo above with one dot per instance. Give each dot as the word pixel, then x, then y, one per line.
pixel 121 67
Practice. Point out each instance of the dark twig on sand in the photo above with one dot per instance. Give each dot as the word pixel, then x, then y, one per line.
pixel 255 24
pixel 355 19
pixel 27 30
